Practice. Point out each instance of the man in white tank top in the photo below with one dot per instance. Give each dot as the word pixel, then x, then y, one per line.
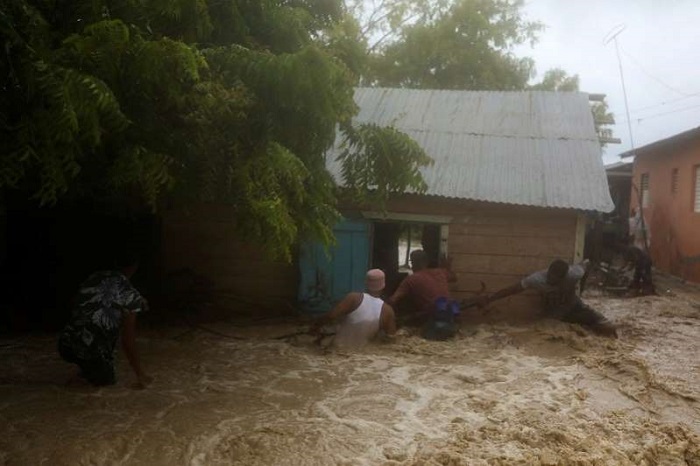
pixel 360 316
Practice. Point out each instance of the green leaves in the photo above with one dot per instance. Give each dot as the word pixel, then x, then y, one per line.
pixel 467 44
pixel 299 97
pixel 557 79
pixel 67 115
pixel 233 101
pixel 380 161
pixel 273 190
pixel 137 167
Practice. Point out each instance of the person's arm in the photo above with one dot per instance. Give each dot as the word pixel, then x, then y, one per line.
pixel 579 270
pixel 400 292
pixel 387 321
pixel 586 264
pixel 129 346
pixel 505 292
pixel 349 303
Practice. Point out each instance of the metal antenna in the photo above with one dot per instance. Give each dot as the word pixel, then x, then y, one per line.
pixel 612 36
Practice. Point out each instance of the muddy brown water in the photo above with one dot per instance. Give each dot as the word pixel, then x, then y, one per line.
pixel 542 393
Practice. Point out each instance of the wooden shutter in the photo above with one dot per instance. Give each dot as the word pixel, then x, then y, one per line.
pixel 674 181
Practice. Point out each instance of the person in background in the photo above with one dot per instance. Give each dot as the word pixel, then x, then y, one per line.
pixel 557 287
pixel 639 234
pixel 105 308
pixel 360 316
pixel 639 260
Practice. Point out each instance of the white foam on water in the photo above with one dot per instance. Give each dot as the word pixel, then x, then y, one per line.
pixel 546 393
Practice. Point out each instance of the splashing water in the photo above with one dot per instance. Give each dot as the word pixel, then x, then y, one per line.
pixel 545 393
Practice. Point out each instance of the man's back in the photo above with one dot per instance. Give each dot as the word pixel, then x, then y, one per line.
pixel 425 287
pixel 361 325
pixel 556 299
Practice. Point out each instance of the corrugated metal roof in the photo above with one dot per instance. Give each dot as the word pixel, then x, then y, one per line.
pixel 526 148
pixel 619 170
pixel 685 136
pixel 617 166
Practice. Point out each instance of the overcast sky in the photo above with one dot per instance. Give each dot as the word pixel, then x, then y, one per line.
pixel 659 50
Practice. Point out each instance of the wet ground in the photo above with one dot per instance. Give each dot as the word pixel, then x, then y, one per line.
pixel 543 393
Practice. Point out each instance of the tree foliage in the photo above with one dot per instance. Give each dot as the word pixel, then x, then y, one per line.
pixel 219 100
pixel 369 160
pixel 559 80
pixel 458 44
pixel 603 119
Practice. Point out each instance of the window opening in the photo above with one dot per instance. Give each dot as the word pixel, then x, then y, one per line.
pixel 645 189
pixel 393 243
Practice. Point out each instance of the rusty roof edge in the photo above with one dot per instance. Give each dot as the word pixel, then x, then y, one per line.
pixel 676 138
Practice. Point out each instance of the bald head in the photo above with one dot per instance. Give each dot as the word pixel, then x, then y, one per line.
pixel 374 282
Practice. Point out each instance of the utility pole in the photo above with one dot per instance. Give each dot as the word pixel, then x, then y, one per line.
pixel 612 36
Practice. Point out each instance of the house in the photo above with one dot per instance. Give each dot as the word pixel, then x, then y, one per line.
pixel 619 176
pixel 666 184
pixel 606 232
pixel 514 175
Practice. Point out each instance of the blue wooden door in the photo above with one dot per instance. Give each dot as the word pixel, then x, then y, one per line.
pixel 326 277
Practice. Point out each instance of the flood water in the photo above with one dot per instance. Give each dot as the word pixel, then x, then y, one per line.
pixel 541 393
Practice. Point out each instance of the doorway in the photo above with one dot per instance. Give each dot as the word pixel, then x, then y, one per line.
pixel 393 242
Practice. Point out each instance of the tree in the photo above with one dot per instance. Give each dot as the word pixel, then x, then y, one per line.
pixel 231 101
pixel 602 119
pixel 370 166
pixel 456 44
pixel 461 44
pixel 383 21
pixel 558 80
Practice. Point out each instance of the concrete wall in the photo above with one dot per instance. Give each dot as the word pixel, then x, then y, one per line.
pixel 674 226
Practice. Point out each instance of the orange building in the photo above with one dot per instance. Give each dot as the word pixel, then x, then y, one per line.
pixel 666 182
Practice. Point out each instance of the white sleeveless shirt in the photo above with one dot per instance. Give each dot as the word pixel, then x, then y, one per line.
pixel 361 325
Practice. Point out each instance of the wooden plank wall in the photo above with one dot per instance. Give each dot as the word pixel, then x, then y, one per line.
pixel 493 243
pixel 499 245
pixel 242 279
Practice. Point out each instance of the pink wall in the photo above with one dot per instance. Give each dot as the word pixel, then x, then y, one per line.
pixel 674 226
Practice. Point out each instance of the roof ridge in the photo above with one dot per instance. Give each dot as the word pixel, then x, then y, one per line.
pixel 472 91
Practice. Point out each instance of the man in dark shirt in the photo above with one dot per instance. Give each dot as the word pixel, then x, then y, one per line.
pixel 557 287
pixel 637 258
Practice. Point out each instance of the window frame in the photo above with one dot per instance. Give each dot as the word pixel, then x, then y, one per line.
pixel 644 189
